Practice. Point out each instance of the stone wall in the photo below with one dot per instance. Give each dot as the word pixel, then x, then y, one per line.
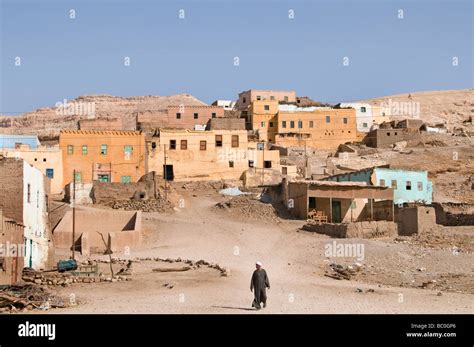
pixel 415 219
pixel 366 230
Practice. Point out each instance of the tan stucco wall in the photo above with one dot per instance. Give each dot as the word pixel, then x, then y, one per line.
pixel 195 164
pixel 42 158
pixel 121 165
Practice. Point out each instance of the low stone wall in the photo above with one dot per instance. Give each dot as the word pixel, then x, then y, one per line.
pixel 454 215
pixel 366 230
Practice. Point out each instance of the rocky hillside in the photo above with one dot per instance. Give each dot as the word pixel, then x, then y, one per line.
pixel 450 107
pixel 46 122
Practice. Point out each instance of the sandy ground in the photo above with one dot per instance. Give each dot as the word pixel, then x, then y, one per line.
pixel 295 262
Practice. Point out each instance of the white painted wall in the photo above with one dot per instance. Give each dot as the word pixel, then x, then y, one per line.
pixel 35 217
pixel 362 117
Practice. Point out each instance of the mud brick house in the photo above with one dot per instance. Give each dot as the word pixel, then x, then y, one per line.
pixel 107 156
pixel 180 117
pixel 47 159
pixel 340 202
pixel 24 192
pixel 207 155
pixel 409 186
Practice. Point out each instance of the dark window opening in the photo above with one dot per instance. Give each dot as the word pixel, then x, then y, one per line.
pixel 251 163
pixel 218 140
pixel 178 115
pixel 408 185
pixel 231 163
pixel 172 144
pixel 196 115
pixel 267 164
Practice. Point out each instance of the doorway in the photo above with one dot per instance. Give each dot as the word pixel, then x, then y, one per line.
pixel 336 211
pixel 168 172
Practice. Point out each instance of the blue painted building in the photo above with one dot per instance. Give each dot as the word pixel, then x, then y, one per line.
pixel 10 140
pixel 409 186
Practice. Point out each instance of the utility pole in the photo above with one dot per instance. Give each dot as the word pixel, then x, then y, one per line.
pixel 165 174
pixel 74 214
pixel 263 162
pixel 305 161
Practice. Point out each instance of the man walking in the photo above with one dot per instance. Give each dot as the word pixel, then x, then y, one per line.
pixel 258 285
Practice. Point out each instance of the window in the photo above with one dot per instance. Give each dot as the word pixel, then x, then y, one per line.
pixel 271 124
pixel 292 124
pixel 311 124
pixel 36 159
pixel 70 149
pixel 328 119
pixel 44 159
pixel 172 144
pixel 153 145
pixel 262 124
pixel 235 140
pixel 272 97
pixel 396 133
pixel 260 146
pixel 364 125
pixel 50 173
pixel 85 150
pixel 28 193
pixel 125 179
pixel 184 144
pixel 284 170
pixel 202 145
pixel 128 149
pixel 420 186
pixel 231 163
pixel 251 163
pixel 394 184
pixel 382 183
pixel 388 134
pixel 244 100
pixel 196 115
pixel 267 107
pixel 178 115
pixel 285 98
pixel 363 109
pixel 213 115
pixel 77 177
pixel 283 124
pixel 300 124
pixel 218 140
pixel 103 149
pixel 259 97
pixel 408 185
pixel 267 164
pixel 344 120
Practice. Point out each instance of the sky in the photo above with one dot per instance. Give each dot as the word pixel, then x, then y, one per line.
pixel 63 57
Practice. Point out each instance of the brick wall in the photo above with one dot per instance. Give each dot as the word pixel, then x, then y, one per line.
pixel 11 188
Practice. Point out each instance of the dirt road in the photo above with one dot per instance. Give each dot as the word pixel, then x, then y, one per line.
pixel 295 262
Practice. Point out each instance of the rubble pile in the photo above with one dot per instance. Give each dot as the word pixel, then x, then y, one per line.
pixel 341 272
pixel 65 279
pixel 248 207
pixel 28 297
pixel 151 205
pixel 209 185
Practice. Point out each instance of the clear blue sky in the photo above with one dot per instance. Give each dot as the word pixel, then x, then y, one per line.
pixel 63 58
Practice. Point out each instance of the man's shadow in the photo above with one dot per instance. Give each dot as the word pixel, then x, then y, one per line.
pixel 236 308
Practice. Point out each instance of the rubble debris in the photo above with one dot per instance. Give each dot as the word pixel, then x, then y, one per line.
pixel 340 272
pixel 27 297
pixel 249 207
pixel 150 205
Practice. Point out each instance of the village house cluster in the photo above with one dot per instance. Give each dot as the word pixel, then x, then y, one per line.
pixel 238 140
